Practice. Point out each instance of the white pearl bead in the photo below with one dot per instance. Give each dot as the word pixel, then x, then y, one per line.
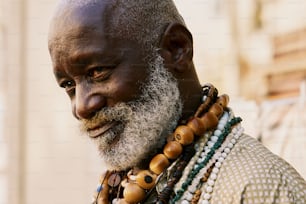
pixel 220 126
pixel 218 164
pixel 227 150
pixel 230 145
pixel 233 141
pixel 211 182
pixel 204 202
pixel 200 160
pixel 223 154
pixel 203 154
pixel 214 138
pixel 217 132
pixel 213 176
pixel 192 188
pixel 189 196
pixel 206 196
pixel 209 189
pixel 236 137
pixel 185 202
pixel 210 144
pixel 221 159
pixel 215 170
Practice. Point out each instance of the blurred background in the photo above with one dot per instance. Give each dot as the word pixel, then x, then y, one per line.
pixel 253 50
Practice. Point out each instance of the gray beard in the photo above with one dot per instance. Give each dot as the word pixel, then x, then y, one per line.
pixel 144 123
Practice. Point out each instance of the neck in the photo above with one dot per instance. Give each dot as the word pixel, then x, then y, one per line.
pixel 192 99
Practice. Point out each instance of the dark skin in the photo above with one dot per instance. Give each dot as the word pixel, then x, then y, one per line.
pixel 99 70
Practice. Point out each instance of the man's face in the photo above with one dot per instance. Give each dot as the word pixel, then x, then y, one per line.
pixel 126 101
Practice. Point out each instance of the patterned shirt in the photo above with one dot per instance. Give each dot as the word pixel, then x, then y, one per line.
pixel 252 174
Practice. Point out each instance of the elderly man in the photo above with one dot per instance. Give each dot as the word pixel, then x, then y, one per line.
pixel 127 69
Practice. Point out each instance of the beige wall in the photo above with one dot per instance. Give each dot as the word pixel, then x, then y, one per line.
pixel 49 161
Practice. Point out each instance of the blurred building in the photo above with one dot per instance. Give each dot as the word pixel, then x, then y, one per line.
pixel 251 49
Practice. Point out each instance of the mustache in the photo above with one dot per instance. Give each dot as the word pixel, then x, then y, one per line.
pixel 121 112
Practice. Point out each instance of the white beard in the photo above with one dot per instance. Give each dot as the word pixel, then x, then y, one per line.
pixel 144 123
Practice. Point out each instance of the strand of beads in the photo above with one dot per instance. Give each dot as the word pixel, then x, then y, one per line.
pixel 179 167
pixel 208 188
pixel 164 196
pixel 188 194
pixel 204 173
pixel 195 171
pixel 202 154
pixel 210 169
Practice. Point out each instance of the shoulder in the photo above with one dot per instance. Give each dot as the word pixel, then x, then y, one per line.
pixel 251 171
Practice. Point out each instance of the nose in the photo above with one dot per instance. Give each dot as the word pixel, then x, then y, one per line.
pixel 86 103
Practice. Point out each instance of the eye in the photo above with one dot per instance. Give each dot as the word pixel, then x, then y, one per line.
pixel 95 72
pixel 101 73
pixel 67 84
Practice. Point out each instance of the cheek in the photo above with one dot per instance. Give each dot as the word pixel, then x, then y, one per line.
pixel 127 80
pixel 125 90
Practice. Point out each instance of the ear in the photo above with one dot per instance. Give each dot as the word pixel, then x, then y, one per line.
pixel 177 47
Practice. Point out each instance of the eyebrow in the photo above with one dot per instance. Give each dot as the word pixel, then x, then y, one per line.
pixel 84 58
pixel 58 74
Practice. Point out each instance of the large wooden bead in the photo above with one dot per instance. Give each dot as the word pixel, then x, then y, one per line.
pixel 210 120
pixel 173 149
pixel 145 179
pixel 159 163
pixel 217 109
pixel 197 126
pixel 184 135
pixel 133 193
pixel 223 100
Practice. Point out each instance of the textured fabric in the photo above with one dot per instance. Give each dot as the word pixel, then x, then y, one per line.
pixel 252 174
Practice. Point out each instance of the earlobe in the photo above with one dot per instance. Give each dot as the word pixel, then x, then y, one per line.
pixel 177 46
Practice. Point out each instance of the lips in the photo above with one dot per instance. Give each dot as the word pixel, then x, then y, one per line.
pixel 101 129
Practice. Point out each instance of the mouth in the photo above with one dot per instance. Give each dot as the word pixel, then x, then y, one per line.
pixel 100 129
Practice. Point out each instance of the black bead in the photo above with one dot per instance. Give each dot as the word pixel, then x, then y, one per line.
pixel 148 179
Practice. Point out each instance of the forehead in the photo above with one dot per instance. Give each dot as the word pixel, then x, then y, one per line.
pixel 69 22
pixel 74 28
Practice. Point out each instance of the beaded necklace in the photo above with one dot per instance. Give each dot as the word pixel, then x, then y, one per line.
pixel 136 185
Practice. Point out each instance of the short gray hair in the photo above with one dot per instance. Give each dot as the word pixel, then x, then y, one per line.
pixel 140 20
pixel 145 20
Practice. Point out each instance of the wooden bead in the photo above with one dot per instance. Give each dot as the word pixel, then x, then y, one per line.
pixel 133 193
pixel 217 109
pixel 223 100
pixel 183 134
pixel 210 120
pixel 197 126
pixel 159 163
pixel 145 179
pixel 173 149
